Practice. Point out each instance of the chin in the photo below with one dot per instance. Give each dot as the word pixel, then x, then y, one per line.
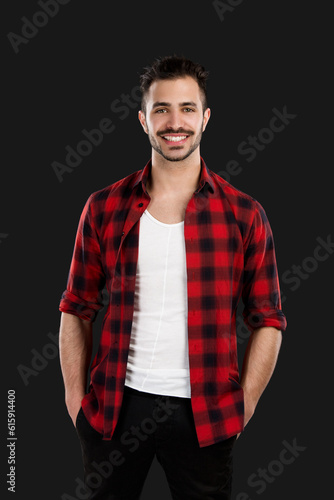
pixel 176 157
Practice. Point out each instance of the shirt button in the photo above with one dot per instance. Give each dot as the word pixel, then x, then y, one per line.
pixel 140 204
pixel 123 233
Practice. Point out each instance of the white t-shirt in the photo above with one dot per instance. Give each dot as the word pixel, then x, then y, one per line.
pixel 158 360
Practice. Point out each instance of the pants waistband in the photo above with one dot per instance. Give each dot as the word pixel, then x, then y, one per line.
pixel 152 395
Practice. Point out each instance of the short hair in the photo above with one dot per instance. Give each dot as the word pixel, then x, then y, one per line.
pixel 170 68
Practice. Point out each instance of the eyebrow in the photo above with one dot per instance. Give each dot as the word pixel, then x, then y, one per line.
pixel 168 104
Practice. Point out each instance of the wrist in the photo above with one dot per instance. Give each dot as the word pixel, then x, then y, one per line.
pixel 250 403
pixel 251 398
pixel 74 396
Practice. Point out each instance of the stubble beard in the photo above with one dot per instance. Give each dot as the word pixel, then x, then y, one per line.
pixel 155 145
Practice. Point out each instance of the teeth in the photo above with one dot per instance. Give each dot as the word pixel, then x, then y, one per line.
pixel 174 138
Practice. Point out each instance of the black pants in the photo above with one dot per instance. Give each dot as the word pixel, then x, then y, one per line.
pixel 149 425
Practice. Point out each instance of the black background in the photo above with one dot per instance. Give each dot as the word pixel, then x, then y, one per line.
pixel 263 55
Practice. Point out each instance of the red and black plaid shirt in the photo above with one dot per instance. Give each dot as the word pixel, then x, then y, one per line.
pixel 230 255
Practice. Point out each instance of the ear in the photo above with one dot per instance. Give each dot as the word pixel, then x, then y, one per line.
pixel 142 120
pixel 206 117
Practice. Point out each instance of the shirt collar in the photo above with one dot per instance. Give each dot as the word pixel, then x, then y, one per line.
pixel 205 176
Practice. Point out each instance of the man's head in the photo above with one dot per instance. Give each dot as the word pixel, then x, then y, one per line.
pixel 174 106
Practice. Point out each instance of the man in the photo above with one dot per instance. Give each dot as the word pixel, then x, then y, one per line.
pixel 177 247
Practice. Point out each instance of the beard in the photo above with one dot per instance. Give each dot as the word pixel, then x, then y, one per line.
pixel 183 155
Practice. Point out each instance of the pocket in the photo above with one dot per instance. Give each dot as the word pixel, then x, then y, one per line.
pixel 84 429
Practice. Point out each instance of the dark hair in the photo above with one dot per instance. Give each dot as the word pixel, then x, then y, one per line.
pixel 169 68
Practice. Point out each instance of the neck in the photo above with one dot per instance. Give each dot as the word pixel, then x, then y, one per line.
pixel 174 177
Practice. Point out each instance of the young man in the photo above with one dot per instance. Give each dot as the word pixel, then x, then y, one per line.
pixel 176 247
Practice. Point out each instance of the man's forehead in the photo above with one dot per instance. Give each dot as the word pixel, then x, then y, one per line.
pixel 183 89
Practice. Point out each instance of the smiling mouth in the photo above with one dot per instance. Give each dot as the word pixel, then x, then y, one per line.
pixel 178 139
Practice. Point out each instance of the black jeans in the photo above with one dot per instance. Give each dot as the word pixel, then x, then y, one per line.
pixel 149 425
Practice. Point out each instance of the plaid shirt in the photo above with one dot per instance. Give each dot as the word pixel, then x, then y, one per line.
pixel 230 256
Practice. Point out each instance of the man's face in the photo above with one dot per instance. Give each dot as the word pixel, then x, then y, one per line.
pixel 174 119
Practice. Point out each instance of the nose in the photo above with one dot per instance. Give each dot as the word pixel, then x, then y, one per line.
pixel 175 120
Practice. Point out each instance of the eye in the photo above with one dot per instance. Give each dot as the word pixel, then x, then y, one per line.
pixel 160 110
pixel 189 110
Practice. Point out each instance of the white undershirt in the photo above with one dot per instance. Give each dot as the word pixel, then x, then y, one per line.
pixel 158 359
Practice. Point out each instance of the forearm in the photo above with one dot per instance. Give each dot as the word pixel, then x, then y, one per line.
pixel 75 350
pixel 259 363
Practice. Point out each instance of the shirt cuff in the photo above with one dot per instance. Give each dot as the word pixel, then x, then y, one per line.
pixel 259 319
pixel 72 304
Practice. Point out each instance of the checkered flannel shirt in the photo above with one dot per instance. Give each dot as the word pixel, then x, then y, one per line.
pixel 230 256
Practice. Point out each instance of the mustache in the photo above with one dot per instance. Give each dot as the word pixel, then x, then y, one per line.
pixel 179 131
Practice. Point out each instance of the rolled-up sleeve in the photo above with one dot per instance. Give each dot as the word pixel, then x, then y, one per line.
pixel 86 279
pixel 261 292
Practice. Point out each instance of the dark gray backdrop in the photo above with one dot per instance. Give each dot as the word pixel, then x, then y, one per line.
pixel 68 75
